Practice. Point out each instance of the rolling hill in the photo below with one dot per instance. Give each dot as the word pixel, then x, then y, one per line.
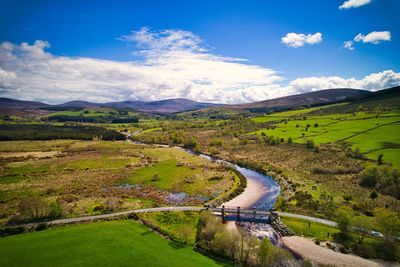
pixel 161 107
pixel 9 103
pixel 312 98
pixel 157 107
pixel 169 106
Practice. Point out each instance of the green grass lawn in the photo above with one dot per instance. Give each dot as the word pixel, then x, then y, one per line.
pixel 316 230
pixel 115 243
pixel 179 225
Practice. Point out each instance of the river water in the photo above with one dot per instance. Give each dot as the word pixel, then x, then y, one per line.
pixel 271 188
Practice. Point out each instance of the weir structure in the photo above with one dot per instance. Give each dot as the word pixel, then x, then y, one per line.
pixel 243 214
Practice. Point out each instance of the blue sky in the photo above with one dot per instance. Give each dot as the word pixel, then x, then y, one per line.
pixel 250 30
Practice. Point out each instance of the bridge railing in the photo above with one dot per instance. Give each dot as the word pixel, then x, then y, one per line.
pixel 242 214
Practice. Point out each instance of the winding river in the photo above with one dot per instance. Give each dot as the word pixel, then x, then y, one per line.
pixel 261 191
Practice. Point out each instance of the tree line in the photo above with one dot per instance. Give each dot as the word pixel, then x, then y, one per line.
pixel 13 132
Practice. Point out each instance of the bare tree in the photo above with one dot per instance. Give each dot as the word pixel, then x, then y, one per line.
pixel 33 207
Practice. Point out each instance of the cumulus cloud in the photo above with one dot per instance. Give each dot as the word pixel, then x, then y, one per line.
pixel 354 4
pixel 348 45
pixel 295 40
pixel 372 82
pixel 174 64
pixel 373 37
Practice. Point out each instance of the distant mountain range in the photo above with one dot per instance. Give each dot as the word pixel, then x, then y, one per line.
pixel 162 106
pixel 157 107
pixel 177 105
pixel 312 98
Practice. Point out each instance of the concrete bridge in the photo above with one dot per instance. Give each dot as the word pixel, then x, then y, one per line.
pixel 243 214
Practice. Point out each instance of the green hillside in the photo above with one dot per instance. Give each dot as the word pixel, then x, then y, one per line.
pixel 369 125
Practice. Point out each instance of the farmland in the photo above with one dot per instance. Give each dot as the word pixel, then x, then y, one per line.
pixel 369 133
pixel 315 178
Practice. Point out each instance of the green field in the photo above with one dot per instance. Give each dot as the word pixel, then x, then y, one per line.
pixel 372 134
pixel 316 230
pixel 180 226
pixel 115 243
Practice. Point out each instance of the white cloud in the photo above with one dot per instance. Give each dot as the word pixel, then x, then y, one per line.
pixel 373 37
pixel 348 45
pixel 299 39
pixel 372 82
pixel 354 4
pixel 175 64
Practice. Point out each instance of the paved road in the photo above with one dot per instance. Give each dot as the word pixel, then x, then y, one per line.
pixel 116 214
pixel 308 218
pixel 181 208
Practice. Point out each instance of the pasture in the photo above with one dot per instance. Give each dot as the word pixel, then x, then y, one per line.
pixel 372 134
pixel 114 243
pixel 180 226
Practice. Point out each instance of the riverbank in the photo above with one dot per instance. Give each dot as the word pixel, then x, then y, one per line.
pixel 254 191
pixel 306 248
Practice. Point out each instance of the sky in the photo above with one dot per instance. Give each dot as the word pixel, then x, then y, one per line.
pixel 211 51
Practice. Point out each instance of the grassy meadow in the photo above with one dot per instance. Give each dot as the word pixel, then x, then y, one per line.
pixel 94 177
pixel 180 226
pixel 314 180
pixel 369 133
pixel 114 243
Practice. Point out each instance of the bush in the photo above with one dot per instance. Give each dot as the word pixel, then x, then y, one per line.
pixel 41 227
pixel 192 144
pixel 155 178
pixel 383 178
pixel 290 140
pixel 380 159
pixel 216 143
pixel 56 210
pixel 33 208
pixel 12 230
pixel 317 149
pixel 388 251
pixel 310 144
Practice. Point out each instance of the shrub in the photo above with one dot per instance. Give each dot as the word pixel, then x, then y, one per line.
pixel 290 140
pixel 388 251
pixel 317 149
pixel 41 227
pixel 12 230
pixel 155 178
pixel 33 208
pixel 384 178
pixel 216 143
pixel 357 154
pixel 380 159
pixel 192 144
pixel 56 210
pixel 310 144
